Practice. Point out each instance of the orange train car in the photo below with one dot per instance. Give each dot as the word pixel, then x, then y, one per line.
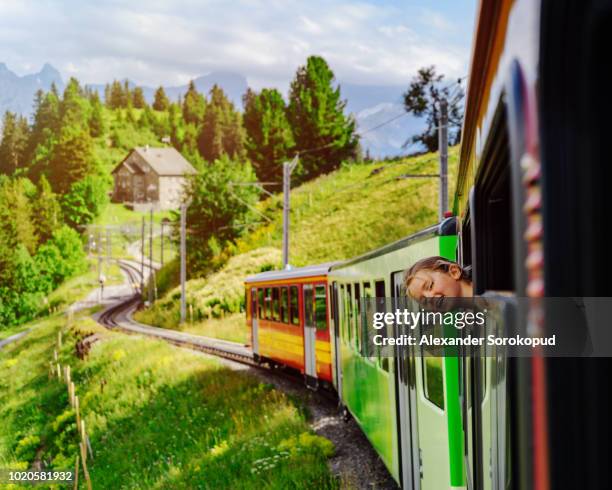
pixel 288 320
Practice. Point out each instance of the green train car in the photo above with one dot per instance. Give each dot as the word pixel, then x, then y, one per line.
pixel 407 404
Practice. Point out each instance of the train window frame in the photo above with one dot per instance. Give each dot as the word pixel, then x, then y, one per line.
pixel 284 304
pixel 316 319
pixel 294 309
pixel 342 312
pixel 276 304
pixel 260 303
pixel 308 309
pixel 268 303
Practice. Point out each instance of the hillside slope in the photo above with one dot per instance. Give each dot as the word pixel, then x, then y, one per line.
pixel 337 216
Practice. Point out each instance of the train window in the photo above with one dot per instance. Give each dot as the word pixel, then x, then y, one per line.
pixel 284 306
pixel 342 311
pixel 367 341
pixel 381 306
pixel 357 315
pixel 293 301
pixel 433 378
pixel 275 304
pixel 320 308
pixel 308 306
pixel 268 304
pixel 260 303
pixel 349 310
pixel 491 224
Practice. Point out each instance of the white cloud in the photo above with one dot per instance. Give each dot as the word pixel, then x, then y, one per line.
pixel 168 42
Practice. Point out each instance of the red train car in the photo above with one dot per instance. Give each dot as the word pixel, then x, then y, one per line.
pixel 288 319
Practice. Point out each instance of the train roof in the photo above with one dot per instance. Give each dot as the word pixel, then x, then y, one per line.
pixel 298 272
pixel 446 227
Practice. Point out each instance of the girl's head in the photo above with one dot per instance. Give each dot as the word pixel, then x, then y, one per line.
pixel 437 277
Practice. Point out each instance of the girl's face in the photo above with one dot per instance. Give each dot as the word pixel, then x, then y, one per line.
pixel 436 284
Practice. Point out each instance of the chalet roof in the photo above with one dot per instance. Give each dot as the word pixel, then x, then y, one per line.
pixel 164 161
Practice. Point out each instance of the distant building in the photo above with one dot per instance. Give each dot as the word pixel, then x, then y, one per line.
pixel 151 178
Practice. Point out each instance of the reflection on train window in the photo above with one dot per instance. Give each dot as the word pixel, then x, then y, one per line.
pixel 293 300
pixel 320 308
pixel 284 307
pixel 260 303
pixel 275 304
pixel 357 316
pixel 342 312
pixel 268 304
pixel 308 306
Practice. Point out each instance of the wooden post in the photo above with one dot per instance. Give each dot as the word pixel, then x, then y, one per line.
pixel 84 458
pixel 191 312
pixel 89 446
pixel 59 371
pixel 55 355
pixel 72 395
pixel 76 474
pixel 68 375
pixel 59 339
pixel 83 430
pixel 76 409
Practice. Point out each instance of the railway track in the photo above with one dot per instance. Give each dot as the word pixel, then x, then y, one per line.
pixel 119 317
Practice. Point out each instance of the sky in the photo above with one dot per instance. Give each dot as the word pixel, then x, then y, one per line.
pixel 155 42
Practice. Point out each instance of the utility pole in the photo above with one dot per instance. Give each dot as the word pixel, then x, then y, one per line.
pixel 99 250
pixel 161 225
pixel 183 259
pixel 142 251
pixel 109 251
pixel 150 255
pixel 443 149
pixel 288 167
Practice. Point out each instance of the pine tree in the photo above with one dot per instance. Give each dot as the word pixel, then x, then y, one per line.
pixel 72 159
pixel 15 132
pixel 161 101
pixel 117 98
pixel 323 134
pixel 138 98
pixel 72 106
pixel 96 118
pixel 222 132
pixel 46 210
pixel 268 134
pixel 194 105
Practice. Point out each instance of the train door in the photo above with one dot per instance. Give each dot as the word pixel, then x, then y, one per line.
pixel 254 322
pixel 407 411
pixel 310 332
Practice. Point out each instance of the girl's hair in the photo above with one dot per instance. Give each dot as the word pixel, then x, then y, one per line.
pixel 435 263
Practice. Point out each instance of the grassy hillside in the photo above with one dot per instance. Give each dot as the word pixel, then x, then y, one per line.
pixel 157 416
pixel 337 216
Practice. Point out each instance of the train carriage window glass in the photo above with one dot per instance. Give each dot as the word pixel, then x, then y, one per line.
pixel 268 304
pixel 284 307
pixel 357 316
pixel 320 308
pixel 433 378
pixel 293 301
pixel 367 340
pixel 260 303
pixel 342 312
pixel 308 307
pixel 275 304
pixel 381 306
pixel 349 315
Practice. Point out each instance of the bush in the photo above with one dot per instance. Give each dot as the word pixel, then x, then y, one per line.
pixel 84 201
pixel 61 257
